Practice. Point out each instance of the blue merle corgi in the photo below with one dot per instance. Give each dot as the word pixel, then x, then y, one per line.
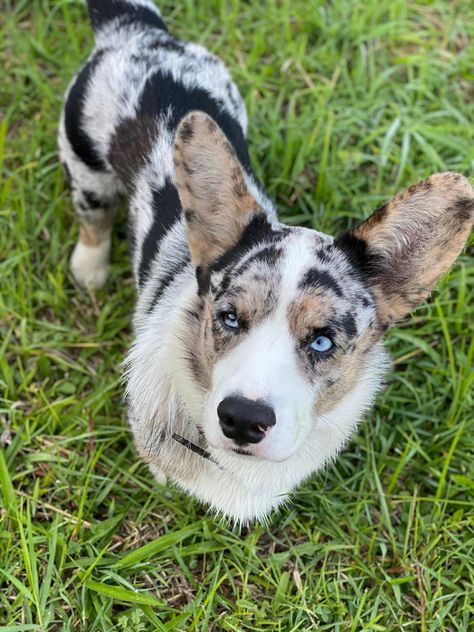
pixel 258 345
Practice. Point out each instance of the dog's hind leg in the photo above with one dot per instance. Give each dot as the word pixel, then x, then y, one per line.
pixel 96 210
pixel 96 195
pixel 95 187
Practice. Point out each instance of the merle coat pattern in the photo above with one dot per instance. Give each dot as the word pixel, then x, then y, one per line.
pixel 258 346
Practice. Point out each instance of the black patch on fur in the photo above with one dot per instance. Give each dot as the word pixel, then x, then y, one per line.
pixel 365 265
pixel 230 94
pixel 190 215
pixel 102 11
pixel 93 202
pixel 462 209
pixel 186 132
pixel 321 279
pixel 324 254
pixel 354 248
pixel 269 255
pixel 168 279
pixel 131 145
pixel 81 143
pixel 241 451
pixel 170 44
pixel 258 230
pixel 163 94
pixel 166 211
pixel 347 324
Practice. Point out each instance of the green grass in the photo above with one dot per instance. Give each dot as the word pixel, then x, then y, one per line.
pixel 348 102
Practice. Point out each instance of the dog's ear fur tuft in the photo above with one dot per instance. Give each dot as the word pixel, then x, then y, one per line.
pixel 410 242
pixel 216 201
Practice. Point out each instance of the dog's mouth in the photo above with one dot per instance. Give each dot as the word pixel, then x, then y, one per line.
pixel 241 451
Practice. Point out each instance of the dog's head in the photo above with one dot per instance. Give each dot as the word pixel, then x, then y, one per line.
pixel 289 320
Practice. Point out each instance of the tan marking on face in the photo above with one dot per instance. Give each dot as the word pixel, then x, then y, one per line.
pixel 309 312
pixel 345 371
pixel 211 187
pixel 345 379
pixel 201 355
pixel 336 375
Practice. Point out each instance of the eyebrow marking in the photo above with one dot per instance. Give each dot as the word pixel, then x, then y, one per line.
pixel 348 324
pixel 320 278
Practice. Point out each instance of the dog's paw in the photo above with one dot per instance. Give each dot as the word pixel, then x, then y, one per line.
pixel 90 264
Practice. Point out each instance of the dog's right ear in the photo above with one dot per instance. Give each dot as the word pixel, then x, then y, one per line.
pixel 216 201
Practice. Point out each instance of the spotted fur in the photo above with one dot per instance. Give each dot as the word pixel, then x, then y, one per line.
pixel 159 122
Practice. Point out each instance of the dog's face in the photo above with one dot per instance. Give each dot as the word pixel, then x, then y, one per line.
pixel 289 320
pixel 290 326
pixel 285 327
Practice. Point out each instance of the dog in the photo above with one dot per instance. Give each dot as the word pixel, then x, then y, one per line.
pixel 257 345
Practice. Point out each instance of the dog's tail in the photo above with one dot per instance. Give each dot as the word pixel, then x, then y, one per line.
pixel 124 12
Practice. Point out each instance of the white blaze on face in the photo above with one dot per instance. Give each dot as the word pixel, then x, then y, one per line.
pixel 265 367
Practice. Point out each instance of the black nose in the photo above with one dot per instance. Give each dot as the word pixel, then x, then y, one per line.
pixel 245 420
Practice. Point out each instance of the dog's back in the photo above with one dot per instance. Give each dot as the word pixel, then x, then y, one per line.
pixel 118 126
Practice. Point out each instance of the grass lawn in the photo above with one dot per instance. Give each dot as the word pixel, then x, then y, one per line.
pixel 348 102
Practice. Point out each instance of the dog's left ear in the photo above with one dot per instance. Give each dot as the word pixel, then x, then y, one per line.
pixel 216 201
pixel 410 242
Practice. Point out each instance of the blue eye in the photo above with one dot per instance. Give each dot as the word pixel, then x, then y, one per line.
pixel 321 344
pixel 230 320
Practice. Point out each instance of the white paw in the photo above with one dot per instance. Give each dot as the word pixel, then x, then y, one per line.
pixel 158 473
pixel 90 265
